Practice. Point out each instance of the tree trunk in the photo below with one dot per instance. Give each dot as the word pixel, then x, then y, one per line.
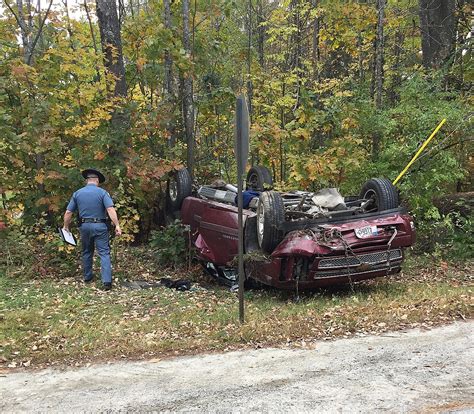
pixel 168 59
pixel 316 52
pixel 360 57
pixel 438 31
pixel 299 53
pixel 111 42
pixel 69 28
pixel 168 81
pixel 260 33
pixel 249 59
pixel 26 27
pixel 372 71
pixel 188 106
pixel 91 27
pixel 378 70
pixel 397 77
pixel 121 11
pixel 379 54
pixel 38 22
pixel 109 28
pixel 24 30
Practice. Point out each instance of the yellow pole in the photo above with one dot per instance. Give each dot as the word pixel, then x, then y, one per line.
pixel 419 152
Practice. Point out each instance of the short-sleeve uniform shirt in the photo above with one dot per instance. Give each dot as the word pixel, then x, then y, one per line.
pixel 91 201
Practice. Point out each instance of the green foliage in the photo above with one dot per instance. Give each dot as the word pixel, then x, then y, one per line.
pixel 37 252
pixel 171 244
pixel 448 237
pixel 15 250
pixel 312 107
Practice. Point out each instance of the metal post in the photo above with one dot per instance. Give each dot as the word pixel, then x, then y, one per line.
pixel 241 150
pixel 241 249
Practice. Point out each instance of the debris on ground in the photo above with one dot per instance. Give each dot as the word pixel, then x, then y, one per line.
pixel 180 284
pixel 140 284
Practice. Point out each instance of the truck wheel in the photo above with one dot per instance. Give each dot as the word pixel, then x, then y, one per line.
pixel 382 193
pixel 179 187
pixel 270 215
pixel 259 178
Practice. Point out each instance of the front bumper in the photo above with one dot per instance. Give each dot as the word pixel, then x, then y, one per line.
pixel 314 272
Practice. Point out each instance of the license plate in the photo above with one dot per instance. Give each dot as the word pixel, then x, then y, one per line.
pixel 366 232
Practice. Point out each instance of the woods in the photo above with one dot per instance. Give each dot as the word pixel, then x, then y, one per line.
pixel 339 91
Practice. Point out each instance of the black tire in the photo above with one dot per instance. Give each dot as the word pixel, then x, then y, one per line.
pixel 270 216
pixel 259 178
pixel 382 192
pixel 179 187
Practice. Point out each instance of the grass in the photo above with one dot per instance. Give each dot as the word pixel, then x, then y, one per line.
pixel 47 321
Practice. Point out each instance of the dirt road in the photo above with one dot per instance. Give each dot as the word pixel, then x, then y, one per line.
pixel 398 372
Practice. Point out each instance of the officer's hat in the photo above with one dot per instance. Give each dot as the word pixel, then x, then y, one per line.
pixel 91 173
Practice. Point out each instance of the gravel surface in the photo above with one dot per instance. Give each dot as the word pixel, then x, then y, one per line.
pixel 414 371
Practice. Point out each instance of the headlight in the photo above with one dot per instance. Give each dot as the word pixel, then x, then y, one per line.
pixel 412 225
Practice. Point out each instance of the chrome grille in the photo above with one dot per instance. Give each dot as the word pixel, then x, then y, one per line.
pixel 354 271
pixel 353 261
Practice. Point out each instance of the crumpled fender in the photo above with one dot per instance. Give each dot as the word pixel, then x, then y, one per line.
pixel 304 243
pixel 299 244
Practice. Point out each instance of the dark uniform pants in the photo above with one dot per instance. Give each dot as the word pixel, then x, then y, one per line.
pixel 96 235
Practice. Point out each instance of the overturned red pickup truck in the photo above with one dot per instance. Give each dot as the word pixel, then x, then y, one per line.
pixel 294 240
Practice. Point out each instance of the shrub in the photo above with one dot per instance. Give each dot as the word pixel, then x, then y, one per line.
pixel 171 244
pixel 449 236
pixel 32 252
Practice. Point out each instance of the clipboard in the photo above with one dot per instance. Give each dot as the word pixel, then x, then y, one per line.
pixel 67 237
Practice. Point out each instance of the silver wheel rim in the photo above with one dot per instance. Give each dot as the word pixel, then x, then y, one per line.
pixel 260 222
pixel 173 190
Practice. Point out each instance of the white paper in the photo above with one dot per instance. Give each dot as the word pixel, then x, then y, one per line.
pixel 68 237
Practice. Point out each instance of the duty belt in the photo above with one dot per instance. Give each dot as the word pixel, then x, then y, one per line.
pixel 93 220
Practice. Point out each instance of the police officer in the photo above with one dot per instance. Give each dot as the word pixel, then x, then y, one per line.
pixel 92 203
